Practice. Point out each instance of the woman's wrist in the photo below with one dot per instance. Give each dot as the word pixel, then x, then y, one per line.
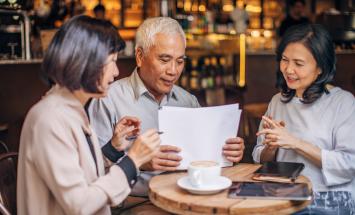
pixel 134 158
pixel 270 148
pixel 129 168
pixel 309 151
pixel 116 144
pixel 111 152
pixel 268 153
pixel 299 145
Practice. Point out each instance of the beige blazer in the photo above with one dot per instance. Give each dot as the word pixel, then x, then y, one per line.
pixel 56 170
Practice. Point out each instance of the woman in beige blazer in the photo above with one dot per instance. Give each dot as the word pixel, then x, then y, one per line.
pixel 61 167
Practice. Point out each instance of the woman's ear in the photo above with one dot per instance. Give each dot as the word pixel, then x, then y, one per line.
pixel 99 85
pixel 139 56
pixel 319 70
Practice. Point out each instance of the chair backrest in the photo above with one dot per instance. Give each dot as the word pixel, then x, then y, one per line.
pixel 3 148
pixel 3 210
pixel 8 172
pixel 252 114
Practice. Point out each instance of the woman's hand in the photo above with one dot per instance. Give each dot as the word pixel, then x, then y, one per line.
pixel 145 147
pixel 266 124
pixel 127 126
pixel 276 135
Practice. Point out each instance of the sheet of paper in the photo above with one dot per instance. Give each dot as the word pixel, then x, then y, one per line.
pixel 199 132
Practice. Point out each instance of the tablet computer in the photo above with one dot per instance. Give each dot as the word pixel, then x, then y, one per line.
pixel 270 190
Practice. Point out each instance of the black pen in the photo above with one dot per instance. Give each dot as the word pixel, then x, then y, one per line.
pixel 133 137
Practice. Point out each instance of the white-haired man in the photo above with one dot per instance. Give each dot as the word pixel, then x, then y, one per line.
pixel 160 54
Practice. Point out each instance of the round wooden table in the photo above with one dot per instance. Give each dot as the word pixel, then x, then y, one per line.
pixel 165 193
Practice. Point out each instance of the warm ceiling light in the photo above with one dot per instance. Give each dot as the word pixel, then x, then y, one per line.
pixel 202 8
pixel 187 6
pixel 253 9
pixel 194 8
pixel 267 33
pixel 180 4
pixel 255 33
pixel 228 8
pixel 232 31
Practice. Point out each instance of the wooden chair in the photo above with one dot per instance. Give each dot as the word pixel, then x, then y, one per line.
pixel 3 148
pixel 3 210
pixel 252 114
pixel 3 131
pixel 8 172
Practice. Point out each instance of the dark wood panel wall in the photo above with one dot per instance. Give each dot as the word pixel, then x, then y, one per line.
pixel 260 78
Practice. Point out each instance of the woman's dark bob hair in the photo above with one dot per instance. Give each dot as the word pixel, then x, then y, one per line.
pixel 76 56
pixel 319 42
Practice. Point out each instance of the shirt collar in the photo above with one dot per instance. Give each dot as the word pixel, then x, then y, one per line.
pixel 140 89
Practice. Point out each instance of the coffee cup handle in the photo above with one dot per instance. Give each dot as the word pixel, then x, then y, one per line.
pixel 197 178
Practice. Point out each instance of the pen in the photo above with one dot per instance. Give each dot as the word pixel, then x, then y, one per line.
pixel 133 137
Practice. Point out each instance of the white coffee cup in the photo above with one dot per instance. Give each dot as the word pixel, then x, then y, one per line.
pixel 203 174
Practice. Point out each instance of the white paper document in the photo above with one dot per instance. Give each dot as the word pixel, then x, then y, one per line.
pixel 200 133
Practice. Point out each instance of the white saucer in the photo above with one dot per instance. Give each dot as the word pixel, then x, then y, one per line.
pixel 221 184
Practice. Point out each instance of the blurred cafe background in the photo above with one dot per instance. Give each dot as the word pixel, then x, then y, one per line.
pixel 230 49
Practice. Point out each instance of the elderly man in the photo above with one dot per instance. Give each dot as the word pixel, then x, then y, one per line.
pixel 160 54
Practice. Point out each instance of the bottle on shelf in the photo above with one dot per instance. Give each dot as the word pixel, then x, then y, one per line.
pixel 212 72
pixel 185 76
pixel 204 23
pixel 205 73
pixel 219 73
pixel 214 95
pixel 182 16
pixel 210 20
pixel 228 79
pixel 194 76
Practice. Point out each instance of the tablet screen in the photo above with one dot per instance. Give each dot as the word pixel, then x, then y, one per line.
pixel 270 190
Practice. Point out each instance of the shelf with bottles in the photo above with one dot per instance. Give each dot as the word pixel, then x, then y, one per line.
pixel 209 25
pixel 214 16
pixel 202 17
pixel 257 40
pixel 212 79
pixel 125 14
pixel 207 72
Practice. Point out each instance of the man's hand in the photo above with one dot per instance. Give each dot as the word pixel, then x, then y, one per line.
pixel 233 149
pixel 165 160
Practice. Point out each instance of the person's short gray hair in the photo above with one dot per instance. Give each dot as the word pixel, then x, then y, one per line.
pixel 152 26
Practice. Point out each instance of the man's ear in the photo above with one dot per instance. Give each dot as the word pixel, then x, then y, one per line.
pixel 139 56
